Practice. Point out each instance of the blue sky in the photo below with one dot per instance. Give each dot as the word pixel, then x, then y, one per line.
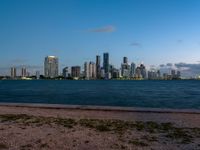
pixel 151 31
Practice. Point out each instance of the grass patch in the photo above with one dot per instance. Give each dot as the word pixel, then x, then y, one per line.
pixel 105 125
pixel 26 147
pixel 149 138
pixel 168 130
pixel 180 135
pixel 27 120
pixel 69 123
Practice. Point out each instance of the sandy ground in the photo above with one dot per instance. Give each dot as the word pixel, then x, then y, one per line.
pixel 18 135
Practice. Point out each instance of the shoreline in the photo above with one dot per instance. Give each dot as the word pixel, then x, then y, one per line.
pixel 102 108
pixel 49 127
pixel 187 118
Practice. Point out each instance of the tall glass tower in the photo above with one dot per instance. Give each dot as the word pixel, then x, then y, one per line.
pixel 13 72
pixel 51 66
pixel 98 67
pixel 106 62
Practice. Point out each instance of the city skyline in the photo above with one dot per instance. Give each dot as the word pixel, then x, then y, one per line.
pixel 92 70
pixel 102 62
pixel 155 33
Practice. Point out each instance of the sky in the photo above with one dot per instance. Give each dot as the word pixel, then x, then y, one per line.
pixel 159 33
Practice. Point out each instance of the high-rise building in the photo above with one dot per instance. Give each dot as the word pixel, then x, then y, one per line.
pixel 37 75
pixel 153 74
pixel 75 71
pixel 23 73
pixel 159 75
pixel 106 62
pixel 65 72
pixel 125 68
pixel 173 73
pixel 51 66
pixel 143 71
pixel 115 73
pixel 102 72
pixel 178 74
pixel 133 67
pixel 92 70
pixel 125 60
pixel 98 67
pixel 13 72
pixel 138 73
pixel 86 71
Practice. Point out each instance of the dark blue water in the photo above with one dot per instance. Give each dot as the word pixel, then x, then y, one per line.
pixel 153 94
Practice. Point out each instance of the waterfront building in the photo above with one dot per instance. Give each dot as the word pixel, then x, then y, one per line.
pixel 115 73
pixel 37 75
pixel 23 72
pixel 159 75
pixel 98 67
pixel 13 72
pixel 125 60
pixel 106 62
pixel 173 73
pixel 178 74
pixel 86 71
pixel 138 73
pixel 28 74
pixel 102 73
pixel 125 68
pixel 153 74
pixel 143 71
pixel 51 66
pixel 75 71
pixel 167 76
pixel 133 67
pixel 92 70
pixel 65 72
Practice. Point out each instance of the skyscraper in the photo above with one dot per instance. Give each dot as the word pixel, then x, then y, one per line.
pixel 106 62
pixel 173 73
pixel 138 73
pixel 51 66
pixel 65 72
pixel 133 67
pixel 37 75
pixel 143 71
pixel 92 70
pixel 23 73
pixel 13 72
pixel 75 71
pixel 86 70
pixel 98 67
pixel 178 74
pixel 125 60
pixel 125 68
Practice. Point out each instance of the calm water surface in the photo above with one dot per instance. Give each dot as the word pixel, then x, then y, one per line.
pixel 153 94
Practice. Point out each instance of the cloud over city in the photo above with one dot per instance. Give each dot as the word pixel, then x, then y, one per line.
pixel 136 44
pixel 109 28
pixel 187 70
